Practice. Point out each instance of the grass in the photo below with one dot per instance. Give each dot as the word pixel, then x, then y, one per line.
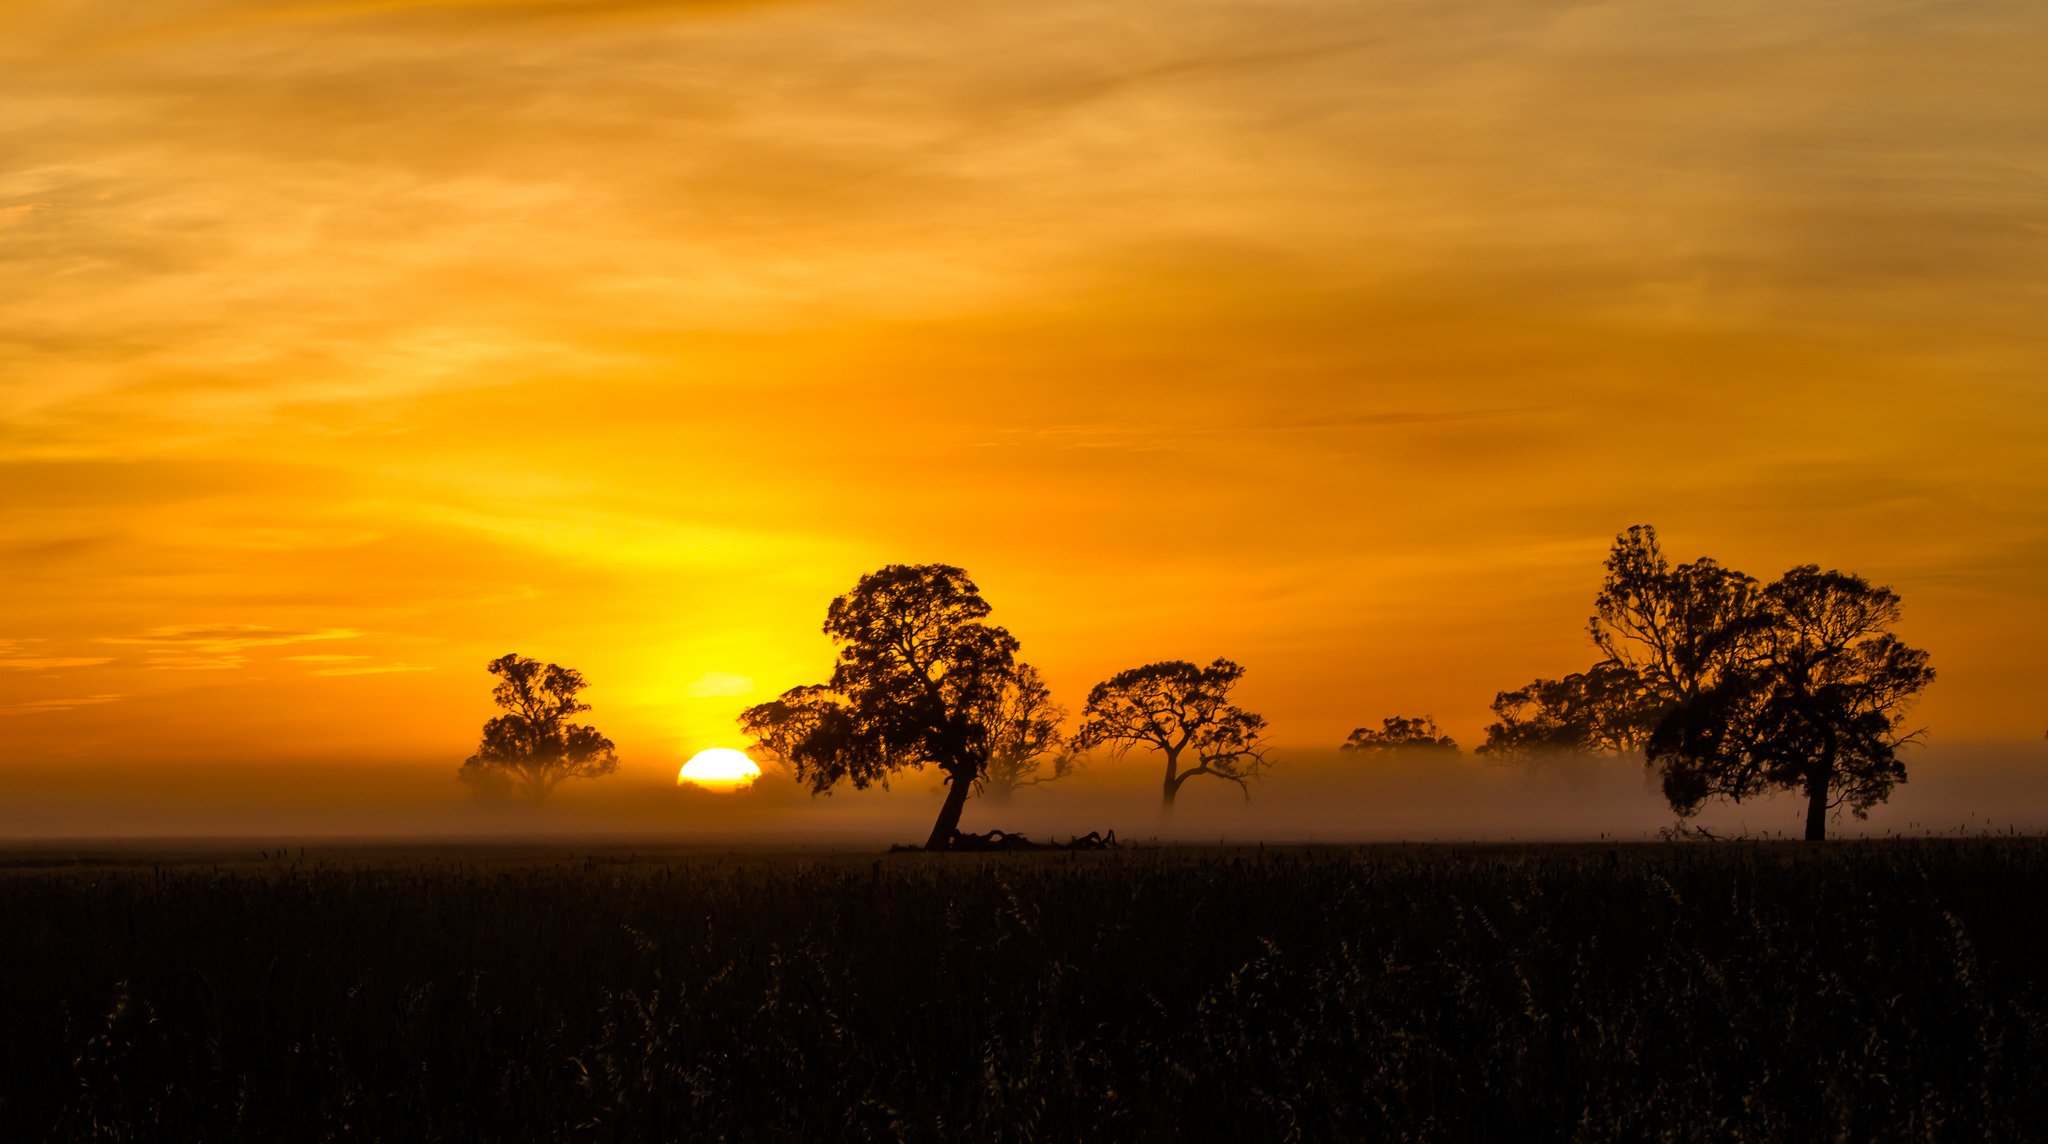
pixel 1878 990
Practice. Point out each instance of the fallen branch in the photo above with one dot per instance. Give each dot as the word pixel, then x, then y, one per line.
pixel 1000 840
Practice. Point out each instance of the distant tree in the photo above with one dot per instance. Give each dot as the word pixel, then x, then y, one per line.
pixel 1026 746
pixel 1818 708
pixel 1396 734
pixel 1183 712
pixel 1602 710
pixel 776 728
pixel 919 682
pixel 1732 688
pixel 534 748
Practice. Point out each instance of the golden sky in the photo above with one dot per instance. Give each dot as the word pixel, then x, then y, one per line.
pixel 347 345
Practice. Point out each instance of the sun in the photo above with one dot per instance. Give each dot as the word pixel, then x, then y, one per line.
pixel 719 769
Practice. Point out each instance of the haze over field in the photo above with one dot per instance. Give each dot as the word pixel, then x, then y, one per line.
pixel 346 346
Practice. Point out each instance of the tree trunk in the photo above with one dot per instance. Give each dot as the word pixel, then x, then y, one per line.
pixel 960 782
pixel 1172 786
pixel 1817 804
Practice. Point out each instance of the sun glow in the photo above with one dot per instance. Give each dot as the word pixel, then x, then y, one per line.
pixel 720 769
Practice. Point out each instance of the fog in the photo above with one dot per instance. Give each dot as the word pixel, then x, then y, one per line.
pixel 1308 795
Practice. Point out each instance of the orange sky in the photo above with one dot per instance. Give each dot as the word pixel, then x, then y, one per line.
pixel 347 345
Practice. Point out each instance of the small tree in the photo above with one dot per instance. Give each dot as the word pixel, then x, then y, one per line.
pixel 1398 734
pixel 919 680
pixel 1183 712
pixel 778 727
pixel 1026 746
pixel 534 748
pixel 1602 710
pixel 1817 709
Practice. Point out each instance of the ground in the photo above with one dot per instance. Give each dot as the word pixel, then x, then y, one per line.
pixel 1693 990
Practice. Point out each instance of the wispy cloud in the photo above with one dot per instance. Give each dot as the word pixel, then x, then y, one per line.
pixel 715 684
pixel 11 660
pixel 42 663
pixel 45 706
pixel 216 647
pixel 374 669
pixel 1167 434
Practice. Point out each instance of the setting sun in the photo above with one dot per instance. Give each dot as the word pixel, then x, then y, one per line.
pixel 720 769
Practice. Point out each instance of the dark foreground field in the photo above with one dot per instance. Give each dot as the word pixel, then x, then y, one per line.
pixel 1697 991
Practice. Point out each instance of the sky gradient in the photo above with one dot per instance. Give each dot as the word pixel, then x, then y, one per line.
pixel 346 346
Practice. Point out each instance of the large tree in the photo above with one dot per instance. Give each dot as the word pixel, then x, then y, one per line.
pixel 1676 630
pixel 1817 708
pixel 1732 688
pixel 534 748
pixel 1667 634
pixel 919 681
pixel 1184 713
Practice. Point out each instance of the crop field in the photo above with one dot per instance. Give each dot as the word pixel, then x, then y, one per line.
pixel 1697 991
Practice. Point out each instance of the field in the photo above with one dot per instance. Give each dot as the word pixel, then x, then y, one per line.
pixel 1872 990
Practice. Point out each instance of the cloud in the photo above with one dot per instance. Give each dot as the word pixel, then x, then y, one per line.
pixel 487 325
pixel 713 684
pixel 217 647
pixel 43 706
pixel 335 665
pixel 374 669
pixel 15 662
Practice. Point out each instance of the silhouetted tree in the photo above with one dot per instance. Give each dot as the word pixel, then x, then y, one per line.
pixel 1602 710
pixel 1026 747
pixel 1396 733
pixel 1181 711
pixel 1673 630
pixel 1668 633
pixel 1732 688
pixel 776 728
pixel 1816 708
pixel 534 748
pixel 919 681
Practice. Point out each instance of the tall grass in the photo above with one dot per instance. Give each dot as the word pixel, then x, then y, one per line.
pixel 1855 991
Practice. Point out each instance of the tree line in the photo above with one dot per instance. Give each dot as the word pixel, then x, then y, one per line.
pixel 1728 687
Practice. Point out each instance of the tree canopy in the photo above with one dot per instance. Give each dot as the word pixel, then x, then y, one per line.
pixel 920 680
pixel 1816 707
pixel 1183 712
pixel 534 747
pixel 1732 688
pixel 1601 710
pixel 1673 630
pixel 1399 734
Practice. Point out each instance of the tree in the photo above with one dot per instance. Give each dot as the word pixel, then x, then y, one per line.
pixel 1396 734
pixel 1818 708
pixel 1025 738
pixel 776 728
pixel 919 681
pixel 1602 710
pixel 1673 630
pixel 534 748
pixel 1668 634
pixel 1178 710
